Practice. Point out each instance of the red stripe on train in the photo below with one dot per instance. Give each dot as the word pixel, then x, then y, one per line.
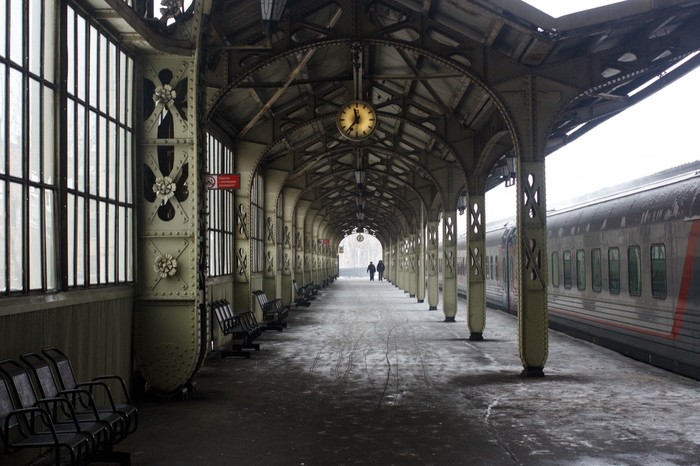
pixel 686 281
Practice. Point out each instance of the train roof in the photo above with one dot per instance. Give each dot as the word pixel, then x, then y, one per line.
pixel 673 198
pixel 652 199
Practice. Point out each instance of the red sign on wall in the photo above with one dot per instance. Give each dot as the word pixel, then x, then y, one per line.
pixel 224 181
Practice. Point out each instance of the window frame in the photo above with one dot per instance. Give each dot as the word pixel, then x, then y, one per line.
pixel 655 262
pixel 566 267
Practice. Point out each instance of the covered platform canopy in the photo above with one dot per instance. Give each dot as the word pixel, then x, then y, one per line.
pixel 466 94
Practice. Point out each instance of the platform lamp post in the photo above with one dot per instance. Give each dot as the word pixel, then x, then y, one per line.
pixel 271 14
pixel 462 202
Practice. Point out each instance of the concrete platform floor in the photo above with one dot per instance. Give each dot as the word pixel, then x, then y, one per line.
pixel 367 376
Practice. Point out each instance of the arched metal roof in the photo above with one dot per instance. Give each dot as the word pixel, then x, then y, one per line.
pixel 437 73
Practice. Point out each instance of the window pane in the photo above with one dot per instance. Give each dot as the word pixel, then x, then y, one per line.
pixel 596 270
pixel 16 31
pixel 94 71
pixel 35 41
pixel 3 44
pixel 15 240
pixel 121 247
pixel 93 154
pixel 80 250
pixel 16 124
pixel 70 239
pixel 34 140
pixel 102 165
pixel 50 40
pixel 80 58
pixel 93 263
pixel 81 167
pixel 634 266
pixel 47 142
pixel 567 269
pixel 658 271
pixel 112 157
pixel 555 269
pixel 35 239
pixel 50 241
pixel 614 270
pixel 3 118
pixel 3 242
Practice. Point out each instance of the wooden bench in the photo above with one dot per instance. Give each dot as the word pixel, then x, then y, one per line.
pixel 274 311
pixel 243 327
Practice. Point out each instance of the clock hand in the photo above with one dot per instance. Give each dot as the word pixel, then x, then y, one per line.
pixel 355 121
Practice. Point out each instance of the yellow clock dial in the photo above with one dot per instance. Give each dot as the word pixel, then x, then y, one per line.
pixel 357 120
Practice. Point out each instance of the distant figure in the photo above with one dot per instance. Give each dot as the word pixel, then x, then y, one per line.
pixel 380 270
pixel 371 269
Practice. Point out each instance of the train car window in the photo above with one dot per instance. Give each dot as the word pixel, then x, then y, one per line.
pixel 488 275
pixel 614 270
pixel 581 269
pixel 567 270
pixel 491 266
pixel 555 269
pixel 634 267
pixel 496 266
pixel 658 271
pixel 596 270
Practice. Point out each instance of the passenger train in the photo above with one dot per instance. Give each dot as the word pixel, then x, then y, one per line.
pixel 624 272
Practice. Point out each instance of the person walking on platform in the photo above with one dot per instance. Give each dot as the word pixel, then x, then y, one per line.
pixel 380 269
pixel 371 269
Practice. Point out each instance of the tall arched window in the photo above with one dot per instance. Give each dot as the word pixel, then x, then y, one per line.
pixel 66 154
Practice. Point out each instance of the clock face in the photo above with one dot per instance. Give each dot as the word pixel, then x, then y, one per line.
pixel 357 120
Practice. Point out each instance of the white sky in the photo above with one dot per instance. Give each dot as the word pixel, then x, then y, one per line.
pixel 659 132
pixel 557 8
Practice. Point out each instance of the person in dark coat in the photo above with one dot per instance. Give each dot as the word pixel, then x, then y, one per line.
pixel 371 269
pixel 380 270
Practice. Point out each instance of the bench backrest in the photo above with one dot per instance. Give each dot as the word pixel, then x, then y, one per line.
pixel 6 407
pixel 261 297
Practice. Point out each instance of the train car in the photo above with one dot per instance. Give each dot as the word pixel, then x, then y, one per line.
pixel 624 272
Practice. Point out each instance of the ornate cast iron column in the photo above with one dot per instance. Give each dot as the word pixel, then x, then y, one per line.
pixel 449 264
pixel 476 244
pixel 432 266
pixel 169 320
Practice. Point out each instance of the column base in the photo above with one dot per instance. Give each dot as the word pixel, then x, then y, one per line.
pixel 449 319
pixel 476 336
pixel 532 372
pixel 419 300
pixel 411 295
pixel 432 308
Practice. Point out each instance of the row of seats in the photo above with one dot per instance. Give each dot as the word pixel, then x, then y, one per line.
pixel 44 406
pixel 244 328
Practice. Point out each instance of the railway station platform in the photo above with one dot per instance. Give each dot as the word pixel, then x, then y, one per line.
pixel 366 375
